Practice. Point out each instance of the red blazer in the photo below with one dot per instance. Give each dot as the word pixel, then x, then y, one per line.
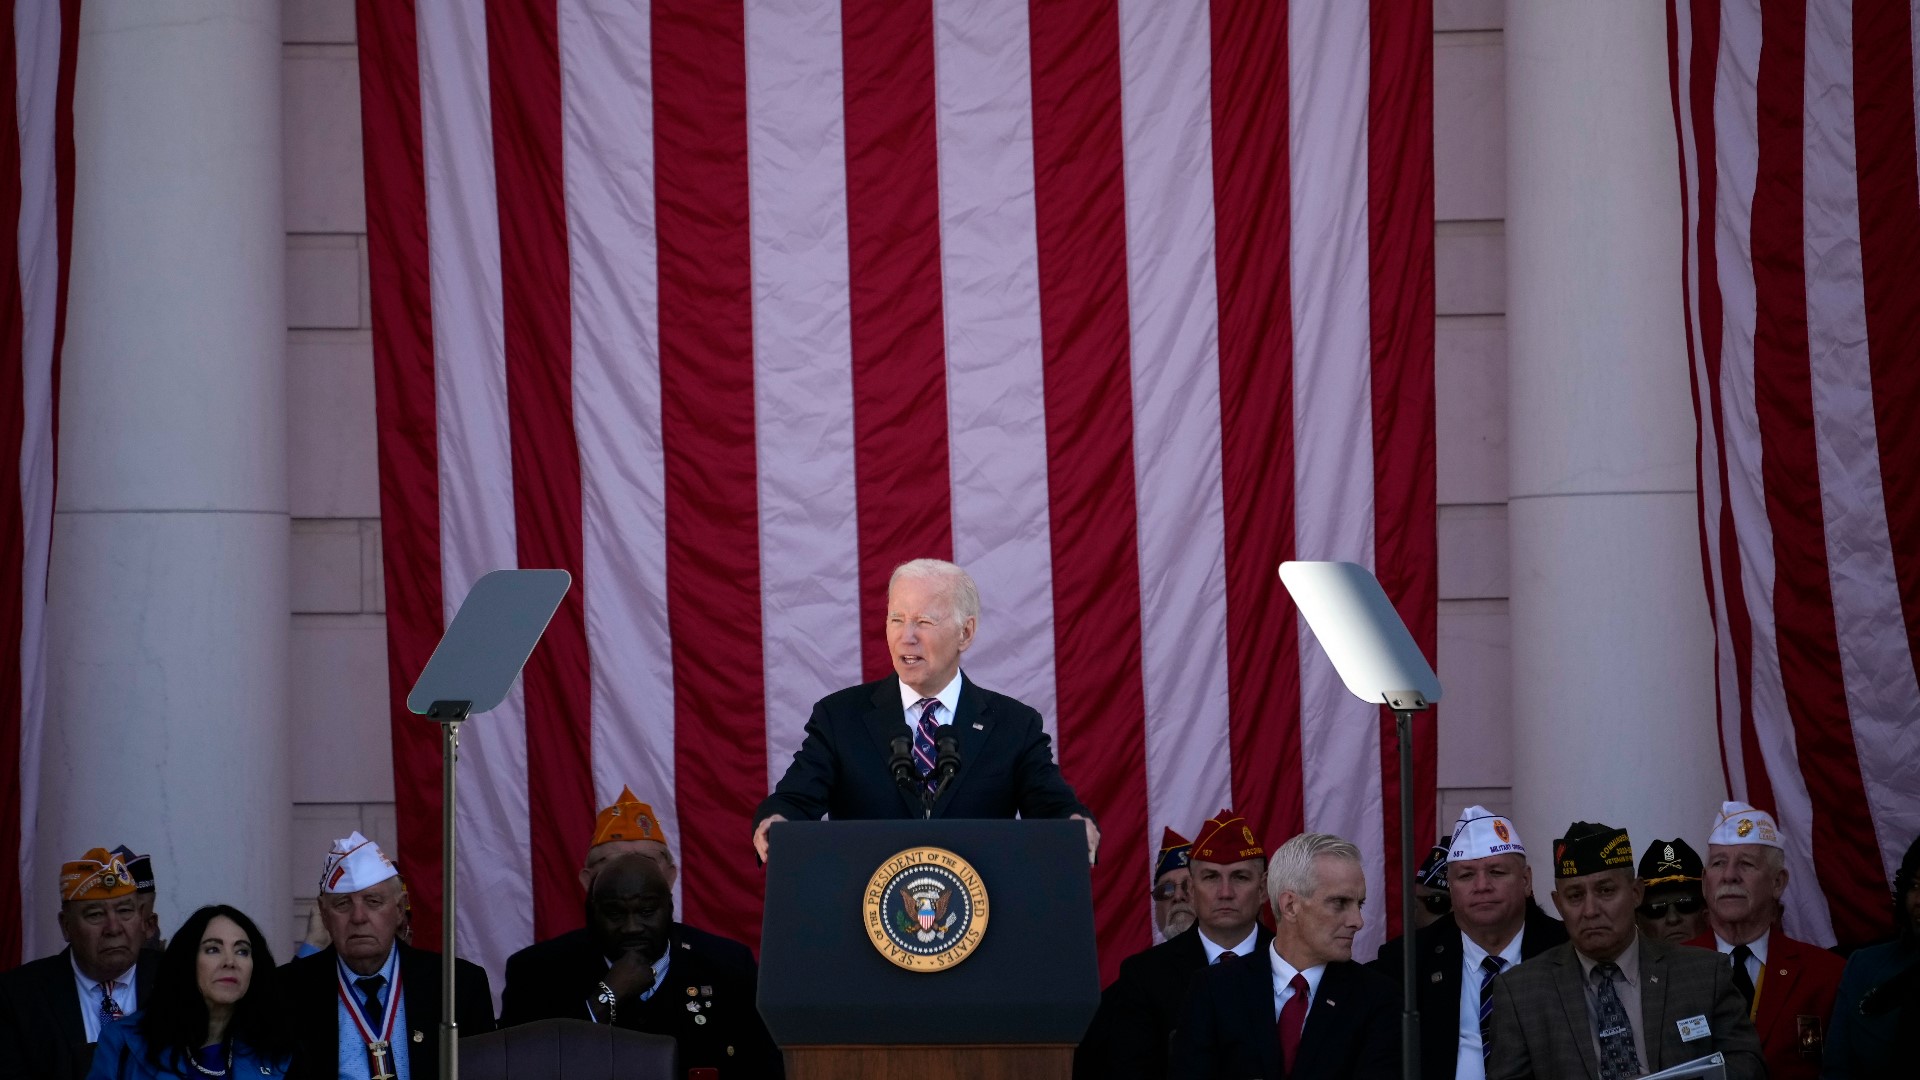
pixel 1796 991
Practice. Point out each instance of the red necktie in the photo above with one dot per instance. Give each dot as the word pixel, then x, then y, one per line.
pixel 1293 1017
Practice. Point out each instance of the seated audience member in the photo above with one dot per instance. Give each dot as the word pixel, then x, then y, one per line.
pixel 1674 907
pixel 1172 888
pixel 1303 1009
pixel 1876 1014
pixel 633 968
pixel 1431 899
pixel 141 867
pixel 210 1012
pixel 52 1009
pixel 368 1003
pixel 1788 986
pixel 1227 870
pixel 1649 1005
pixel 1493 926
pixel 630 827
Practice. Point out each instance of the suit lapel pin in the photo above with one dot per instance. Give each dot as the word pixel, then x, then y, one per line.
pixel 1653 978
pixel 706 991
pixel 1331 1003
pixel 418 1037
pixel 1435 977
pixel 979 727
pixel 699 1018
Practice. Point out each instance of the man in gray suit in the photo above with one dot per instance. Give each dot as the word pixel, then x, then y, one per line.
pixel 1612 1003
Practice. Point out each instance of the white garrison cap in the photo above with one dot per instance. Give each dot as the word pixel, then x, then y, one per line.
pixel 1742 824
pixel 1481 834
pixel 355 863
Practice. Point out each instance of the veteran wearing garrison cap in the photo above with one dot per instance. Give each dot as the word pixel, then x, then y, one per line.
pixel 1130 1034
pixel 1494 925
pixel 1673 904
pixel 1788 986
pixel 1613 1003
pixel 52 1009
pixel 1172 894
pixel 1431 899
pixel 368 1003
pixel 141 867
pixel 553 977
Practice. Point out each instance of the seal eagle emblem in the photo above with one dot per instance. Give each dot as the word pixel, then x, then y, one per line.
pixel 925 909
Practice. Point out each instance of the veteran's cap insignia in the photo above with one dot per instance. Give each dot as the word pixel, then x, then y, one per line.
pixel 925 909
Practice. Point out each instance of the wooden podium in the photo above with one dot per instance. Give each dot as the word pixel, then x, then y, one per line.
pixel 1014 1007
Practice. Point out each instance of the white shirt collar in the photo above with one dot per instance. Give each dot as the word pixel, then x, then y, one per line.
pixel 1471 954
pixel 120 982
pixel 1284 972
pixel 1758 946
pixel 948 697
pixel 1244 948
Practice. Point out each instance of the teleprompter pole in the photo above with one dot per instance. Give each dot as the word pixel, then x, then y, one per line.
pixel 450 715
pixel 1410 1002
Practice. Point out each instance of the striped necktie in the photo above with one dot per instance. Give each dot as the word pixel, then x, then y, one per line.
pixel 923 749
pixel 1489 967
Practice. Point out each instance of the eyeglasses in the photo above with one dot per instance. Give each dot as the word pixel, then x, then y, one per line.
pixel 1436 903
pixel 1688 906
pixel 1167 890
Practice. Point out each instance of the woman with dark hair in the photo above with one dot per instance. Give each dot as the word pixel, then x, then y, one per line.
pixel 1876 1018
pixel 209 1013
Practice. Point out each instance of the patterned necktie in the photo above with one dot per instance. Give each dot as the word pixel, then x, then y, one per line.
pixel 1742 981
pixel 1293 1019
pixel 1618 1060
pixel 923 750
pixel 1227 957
pixel 109 1008
pixel 369 987
pixel 1489 967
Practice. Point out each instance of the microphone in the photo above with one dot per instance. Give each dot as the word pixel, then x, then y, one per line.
pixel 947 747
pixel 901 763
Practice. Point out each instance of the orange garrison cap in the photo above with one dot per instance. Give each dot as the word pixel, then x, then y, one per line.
pixel 97 875
pixel 627 819
pixel 1227 838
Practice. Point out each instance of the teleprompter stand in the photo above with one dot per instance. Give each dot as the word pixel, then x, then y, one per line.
pixel 1015 1007
pixel 472 668
pixel 1377 659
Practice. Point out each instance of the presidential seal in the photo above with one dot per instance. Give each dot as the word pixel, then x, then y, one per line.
pixel 925 909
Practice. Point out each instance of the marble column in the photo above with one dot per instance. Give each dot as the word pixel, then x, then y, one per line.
pixel 168 610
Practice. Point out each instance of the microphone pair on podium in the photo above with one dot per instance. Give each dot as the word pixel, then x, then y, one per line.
pixel 946 763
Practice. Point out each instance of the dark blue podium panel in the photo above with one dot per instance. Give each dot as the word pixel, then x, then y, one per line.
pixel 1032 976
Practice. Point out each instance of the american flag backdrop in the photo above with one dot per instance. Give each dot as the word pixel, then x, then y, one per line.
pixel 729 308
pixel 1798 164
pixel 38 46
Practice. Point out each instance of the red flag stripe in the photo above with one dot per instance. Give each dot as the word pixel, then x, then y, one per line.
pixel 1251 200
pixel 1802 596
pixel 13 330
pixel 893 248
pixel 1400 240
pixel 707 425
pixel 524 77
pixel 1080 213
pixel 405 404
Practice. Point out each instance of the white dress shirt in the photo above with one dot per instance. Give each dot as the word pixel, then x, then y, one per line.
pixel 1471 1064
pixel 948 697
pixel 1283 974
pixel 125 995
pixel 1755 963
pixel 1244 948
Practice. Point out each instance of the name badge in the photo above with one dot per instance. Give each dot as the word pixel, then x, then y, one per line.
pixel 1693 1027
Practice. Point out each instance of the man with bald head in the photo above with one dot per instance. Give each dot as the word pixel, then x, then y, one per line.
pixel 843 766
pixel 633 967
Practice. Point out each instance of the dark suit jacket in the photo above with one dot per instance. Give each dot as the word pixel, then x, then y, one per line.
pixel 555 978
pixel 841 767
pixel 1227 1028
pixel 1437 956
pixel 1130 1033
pixel 311 991
pixel 1541 1027
pixel 42 1034
pixel 1797 986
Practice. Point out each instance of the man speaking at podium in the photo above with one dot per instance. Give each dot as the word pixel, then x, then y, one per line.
pixel 844 766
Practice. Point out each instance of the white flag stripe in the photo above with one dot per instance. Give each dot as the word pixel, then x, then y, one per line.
pixel 607 106
pixel 476 465
pixel 1736 110
pixel 1876 661
pixel 1709 472
pixel 36 38
pixel 1328 60
pixel 1166 75
pixel 990 276
pixel 803 362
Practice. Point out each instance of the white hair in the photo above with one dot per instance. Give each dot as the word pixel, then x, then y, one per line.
pixel 960 586
pixel 1294 868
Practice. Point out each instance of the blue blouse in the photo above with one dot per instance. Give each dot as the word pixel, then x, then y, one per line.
pixel 122 1055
